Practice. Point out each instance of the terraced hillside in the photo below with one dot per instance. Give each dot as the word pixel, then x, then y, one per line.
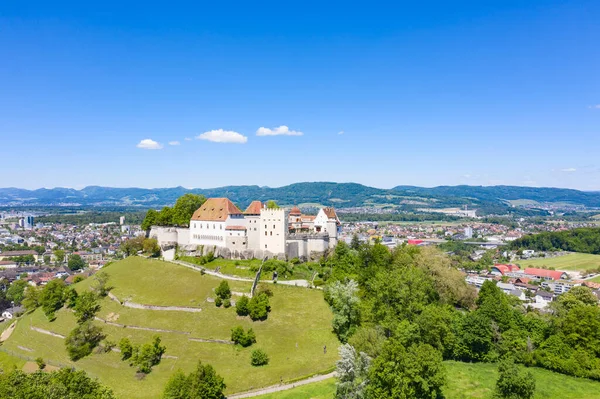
pixel 297 329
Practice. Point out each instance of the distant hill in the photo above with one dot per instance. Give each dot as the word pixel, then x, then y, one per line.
pixel 488 200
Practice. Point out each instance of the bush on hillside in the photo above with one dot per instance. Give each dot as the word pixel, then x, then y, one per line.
pixel 223 291
pixel 513 382
pixel 126 348
pixel 241 306
pixel 202 383
pixel 241 337
pixel 259 358
pixel 82 340
pixel 227 303
pixel 218 302
pixel 259 307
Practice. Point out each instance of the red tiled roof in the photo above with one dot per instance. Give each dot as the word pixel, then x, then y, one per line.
pixel 414 242
pixel 235 228
pixel 506 268
pixel 295 211
pixel 553 274
pixel 330 213
pixel 254 208
pixel 308 218
pixel 216 210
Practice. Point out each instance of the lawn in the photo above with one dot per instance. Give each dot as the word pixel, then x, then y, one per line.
pixel 572 261
pixel 477 380
pixel 470 380
pixel 294 334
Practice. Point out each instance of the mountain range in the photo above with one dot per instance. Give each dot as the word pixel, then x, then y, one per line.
pixel 487 199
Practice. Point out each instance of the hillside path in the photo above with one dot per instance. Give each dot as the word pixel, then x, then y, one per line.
pixel 285 387
pixel 297 283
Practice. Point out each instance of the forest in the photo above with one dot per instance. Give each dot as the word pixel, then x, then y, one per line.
pixel 585 240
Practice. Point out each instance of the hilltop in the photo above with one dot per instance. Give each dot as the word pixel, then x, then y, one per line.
pixel 492 199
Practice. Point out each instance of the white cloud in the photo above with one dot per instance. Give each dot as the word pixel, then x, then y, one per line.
pixel 277 131
pixel 597 106
pixel 341 132
pixel 188 139
pixel 569 170
pixel 149 144
pixel 223 136
pixel 174 143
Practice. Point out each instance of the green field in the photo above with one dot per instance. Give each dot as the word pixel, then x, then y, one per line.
pixel 572 261
pixel 468 381
pixel 294 334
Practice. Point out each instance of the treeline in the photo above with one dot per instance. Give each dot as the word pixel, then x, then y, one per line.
pixel 93 217
pixel 396 217
pixel 586 240
pixel 179 215
pixel 402 312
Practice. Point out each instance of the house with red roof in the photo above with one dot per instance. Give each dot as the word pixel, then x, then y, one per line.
pixel 544 274
pixel 503 269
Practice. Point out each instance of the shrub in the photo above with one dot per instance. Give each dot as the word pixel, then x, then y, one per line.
pixel 126 348
pixel 109 345
pixel 148 355
pixel 241 306
pixel 259 358
pixel 223 291
pixel 259 307
pixel 204 382
pixel 264 289
pixel 218 302
pixel 41 363
pixel 242 338
pixel 227 303
pixel 514 383
pixel 82 340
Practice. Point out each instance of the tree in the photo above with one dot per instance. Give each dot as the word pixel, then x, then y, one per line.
pixel 76 262
pixel 100 285
pixel 64 383
pixel 133 245
pixel 86 307
pixel 202 383
pixel 40 363
pixel 403 373
pixel 369 340
pixel 16 291
pixel 259 358
pixel 185 207
pixel 59 255
pixel 31 299
pixel 52 297
pixel 258 307
pixel 242 338
pixel 344 301
pixel 272 205
pixel 223 291
pixel 241 306
pixel 513 382
pixel 150 246
pixel 352 373
pixel 126 348
pixel 355 243
pixel 82 340
pixel 148 355
pixel 150 219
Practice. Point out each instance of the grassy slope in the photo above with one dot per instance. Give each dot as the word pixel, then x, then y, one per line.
pixel 293 336
pixel 471 380
pixel 574 261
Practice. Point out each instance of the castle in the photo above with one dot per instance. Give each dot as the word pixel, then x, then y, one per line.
pixel 220 227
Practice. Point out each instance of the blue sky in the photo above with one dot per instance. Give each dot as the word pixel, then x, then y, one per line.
pixel 426 93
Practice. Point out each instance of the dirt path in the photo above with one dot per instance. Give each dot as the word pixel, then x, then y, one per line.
pixel 285 387
pixel 42 331
pixel 6 333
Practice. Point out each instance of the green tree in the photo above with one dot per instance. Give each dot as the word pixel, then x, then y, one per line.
pixel 241 306
pixel 59 255
pixel 16 291
pixel 82 340
pixel 344 301
pixel 272 205
pixel 148 355
pixel 52 297
pixel 31 299
pixel 223 291
pixel 202 383
pixel 87 307
pixel 76 262
pixel 258 307
pixel 150 219
pixel 100 285
pixel 355 243
pixel 259 358
pixel 150 246
pixel 514 382
pixel 185 207
pixel 403 373
pixel 241 337
pixel 132 246
pixel 126 348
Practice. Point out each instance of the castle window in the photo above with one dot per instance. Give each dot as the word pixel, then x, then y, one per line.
pixel 271 233
pixel 265 246
pixel 265 233
pixel 273 226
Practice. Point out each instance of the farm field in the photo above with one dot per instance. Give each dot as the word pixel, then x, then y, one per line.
pixel 572 261
pixel 294 334
pixel 468 381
